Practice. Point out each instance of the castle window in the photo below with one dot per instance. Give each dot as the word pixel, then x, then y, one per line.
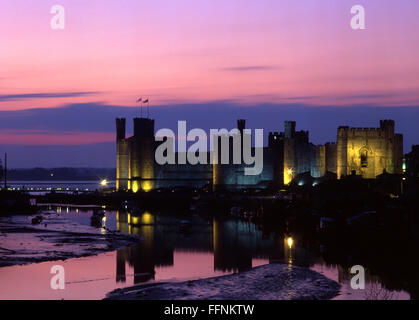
pixel 364 159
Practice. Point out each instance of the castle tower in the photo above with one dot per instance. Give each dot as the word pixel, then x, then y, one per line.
pixel 398 153
pixel 290 162
pixel 318 165
pixel 220 172
pixel 122 156
pixel 241 125
pixel 120 128
pixel 276 143
pixel 369 151
pixel 387 126
pixel 225 175
pixel 342 152
pixel 142 155
pixel 143 127
pixel 331 157
pixel 289 129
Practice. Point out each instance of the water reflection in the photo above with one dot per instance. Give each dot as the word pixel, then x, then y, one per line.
pixel 210 247
pixel 234 244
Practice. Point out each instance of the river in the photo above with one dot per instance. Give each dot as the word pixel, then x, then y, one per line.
pixel 176 248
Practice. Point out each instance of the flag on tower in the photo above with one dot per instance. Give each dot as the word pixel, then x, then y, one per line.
pixel 145 101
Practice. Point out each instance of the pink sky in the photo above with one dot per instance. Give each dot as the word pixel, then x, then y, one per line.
pixel 195 51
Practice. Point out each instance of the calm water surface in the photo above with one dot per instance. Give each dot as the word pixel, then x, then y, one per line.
pixel 173 251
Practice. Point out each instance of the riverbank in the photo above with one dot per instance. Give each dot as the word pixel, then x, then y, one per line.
pixel 55 238
pixel 269 282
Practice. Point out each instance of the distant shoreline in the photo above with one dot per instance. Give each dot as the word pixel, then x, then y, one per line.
pixel 61 174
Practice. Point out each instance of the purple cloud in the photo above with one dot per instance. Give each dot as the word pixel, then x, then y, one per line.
pixel 23 96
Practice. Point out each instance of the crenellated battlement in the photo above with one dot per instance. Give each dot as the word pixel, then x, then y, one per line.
pixel 120 128
pixel 274 138
pixel 288 154
pixel 385 150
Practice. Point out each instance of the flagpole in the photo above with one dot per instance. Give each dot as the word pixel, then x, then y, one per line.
pixel 148 107
pixel 140 100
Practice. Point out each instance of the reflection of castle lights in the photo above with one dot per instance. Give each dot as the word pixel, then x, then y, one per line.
pixel 139 220
pixel 135 186
pixel 135 220
pixel 290 242
pixel 147 186
pixel 147 218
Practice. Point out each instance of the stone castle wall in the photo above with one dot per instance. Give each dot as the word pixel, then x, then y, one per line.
pixel 369 151
pixel 365 151
pixel 331 157
pixel 318 161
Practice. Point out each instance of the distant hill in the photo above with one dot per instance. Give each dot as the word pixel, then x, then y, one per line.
pixel 55 174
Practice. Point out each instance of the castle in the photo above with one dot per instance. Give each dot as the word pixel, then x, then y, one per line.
pixel 367 152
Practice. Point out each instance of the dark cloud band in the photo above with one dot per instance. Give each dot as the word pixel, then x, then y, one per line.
pixel 24 96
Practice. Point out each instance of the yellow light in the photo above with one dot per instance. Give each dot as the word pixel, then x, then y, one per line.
pixel 288 175
pixel 147 218
pixel 147 186
pixel 135 220
pixel 135 186
pixel 104 183
pixel 290 242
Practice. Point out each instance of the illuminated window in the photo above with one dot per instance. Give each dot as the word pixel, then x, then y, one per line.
pixel 364 158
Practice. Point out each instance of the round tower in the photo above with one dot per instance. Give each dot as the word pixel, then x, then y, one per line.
pixel 122 156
